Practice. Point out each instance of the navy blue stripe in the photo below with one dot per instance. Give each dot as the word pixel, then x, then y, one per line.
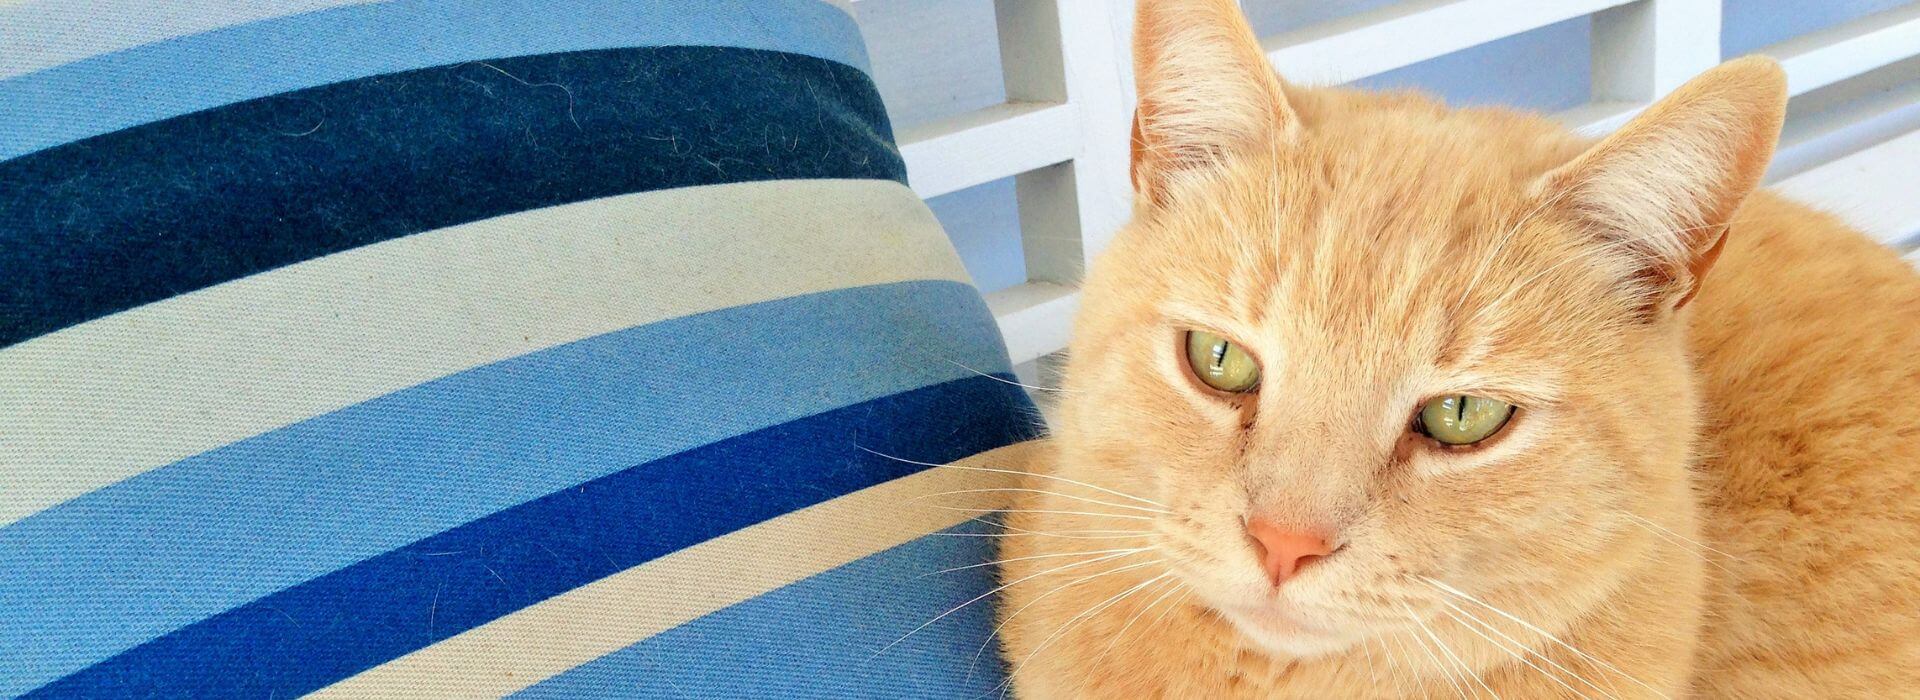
pixel 315 633
pixel 145 213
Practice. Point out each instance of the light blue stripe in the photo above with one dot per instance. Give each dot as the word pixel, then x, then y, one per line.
pixel 201 71
pixel 817 638
pixel 40 34
pixel 97 575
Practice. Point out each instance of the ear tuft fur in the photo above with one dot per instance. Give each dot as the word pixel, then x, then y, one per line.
pixel 1665 186
pixel 1206 91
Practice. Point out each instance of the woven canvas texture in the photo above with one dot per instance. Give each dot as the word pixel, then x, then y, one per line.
pixel 439 348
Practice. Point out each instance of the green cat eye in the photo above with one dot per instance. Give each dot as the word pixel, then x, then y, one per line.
pixel 1463 420
pixel 1221 363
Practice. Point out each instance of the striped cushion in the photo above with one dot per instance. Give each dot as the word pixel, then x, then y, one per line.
pixel 456 348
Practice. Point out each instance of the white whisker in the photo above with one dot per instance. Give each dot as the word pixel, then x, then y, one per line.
pixel 1682 538
pixel 1437 663
pixel 1517 643
pixel 1517 656
pixel 1373 670
pixel 1669 539
pixel 983 596
pixel 1043 511
pixel 1043 534
pixel 1023 608
pixel 1536 630
pixel 1055 555
pixel 1072 621
pixel 1063 479
pixel 1083 499
pixel 1465 670
pixel 1172 587
pixel 1166 611
pixel 1004 380
pixel 1402 664
pixel 1066 534
pixel 1015 528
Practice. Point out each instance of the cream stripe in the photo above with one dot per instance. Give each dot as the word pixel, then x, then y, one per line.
pixel 542 641
pixel 111 398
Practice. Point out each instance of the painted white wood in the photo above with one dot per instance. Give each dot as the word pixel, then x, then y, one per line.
pixel 1098 74
pixel 1063 50
pixel 932 59
pixel 1831 122
pixel 1851 147
pixel 1034 318
pixel 985 145
pixel 1403 34
pixel 1826 57
pixel 1597 118
pixel 1872 189
pixel 1033 63
pixel 1646 49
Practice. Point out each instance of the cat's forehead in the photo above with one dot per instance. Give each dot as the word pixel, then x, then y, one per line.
pixel 1378 252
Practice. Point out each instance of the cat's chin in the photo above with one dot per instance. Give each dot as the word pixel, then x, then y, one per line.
pixel 1288 634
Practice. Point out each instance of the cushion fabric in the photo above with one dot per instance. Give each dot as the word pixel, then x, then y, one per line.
pixel 453 348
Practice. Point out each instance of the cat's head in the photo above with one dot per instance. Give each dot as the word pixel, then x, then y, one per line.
pixel 1370 346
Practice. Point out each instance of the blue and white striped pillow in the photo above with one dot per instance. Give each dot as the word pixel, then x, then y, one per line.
pixel 455 348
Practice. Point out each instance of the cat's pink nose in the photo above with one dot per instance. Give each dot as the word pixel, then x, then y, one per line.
pixel 1284 551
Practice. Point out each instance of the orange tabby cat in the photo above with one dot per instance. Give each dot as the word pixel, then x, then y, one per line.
pixel 1377 398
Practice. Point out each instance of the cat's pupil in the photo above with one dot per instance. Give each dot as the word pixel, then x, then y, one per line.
pixel 1219 356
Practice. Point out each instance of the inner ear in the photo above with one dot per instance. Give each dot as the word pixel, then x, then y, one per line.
pixel 1206 92
pixel 1665 187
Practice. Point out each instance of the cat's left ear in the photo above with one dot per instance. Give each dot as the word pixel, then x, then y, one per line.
pixel 1207 93
pixel 1664 187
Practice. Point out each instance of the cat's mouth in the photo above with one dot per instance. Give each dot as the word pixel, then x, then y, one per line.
pixel 1279 618
pixel 1291 630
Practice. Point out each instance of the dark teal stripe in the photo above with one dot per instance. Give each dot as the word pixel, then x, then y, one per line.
pixel 142 214
pixel 148 556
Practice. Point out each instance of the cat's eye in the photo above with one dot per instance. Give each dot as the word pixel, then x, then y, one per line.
pixel 1460 419
pixel 1221 363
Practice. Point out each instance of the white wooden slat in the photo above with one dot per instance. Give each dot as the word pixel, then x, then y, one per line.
pixel 1064 50
pixel 1033 67
pixel 978 147
pixel 1098 73
pixel 1034 318
pixel 1647 49
pixel 1829 56
pixel 1597 118
pixel 1845 117
pixel 1403 34
pixel 1872 189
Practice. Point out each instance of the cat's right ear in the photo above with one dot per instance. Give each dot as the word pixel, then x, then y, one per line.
pixel 1664 188
pixel 1206 92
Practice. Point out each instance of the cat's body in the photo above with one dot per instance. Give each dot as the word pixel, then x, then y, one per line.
pixel 1819 594
pixel 1708 495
